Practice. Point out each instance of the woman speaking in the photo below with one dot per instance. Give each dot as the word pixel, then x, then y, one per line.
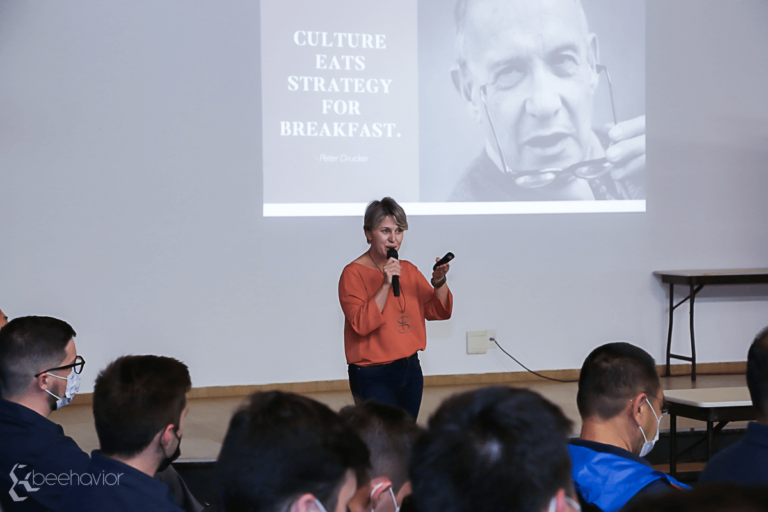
pixel 383 332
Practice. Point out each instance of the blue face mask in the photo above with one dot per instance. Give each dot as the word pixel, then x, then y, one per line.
pixel 73 386
pixel 320 505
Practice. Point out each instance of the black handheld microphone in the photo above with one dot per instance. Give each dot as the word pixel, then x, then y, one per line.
pixel 392 253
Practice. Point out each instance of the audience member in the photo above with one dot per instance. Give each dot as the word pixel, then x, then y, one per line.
pixel 39 373
pixel 721 497
pixel 3 319
pixel 621 404
pixel 493 449
pixel 139 405
pixel 285 452
pixel 747 460
pixel 389 433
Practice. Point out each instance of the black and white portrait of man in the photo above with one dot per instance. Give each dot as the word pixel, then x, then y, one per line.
pixel 528 73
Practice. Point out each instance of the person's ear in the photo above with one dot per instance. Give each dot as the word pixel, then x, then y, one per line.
pixel 379 486
pixel 405 490
pixel 361 500
pixel 167 436
pixel 593 57
pixel 42 381
pixel 306 503
pixel 560 505
pixel 462 81
pixel 565 503
pixel 639 404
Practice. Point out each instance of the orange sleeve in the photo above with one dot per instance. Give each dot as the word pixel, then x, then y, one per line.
pixel 433 307
pixel 360 311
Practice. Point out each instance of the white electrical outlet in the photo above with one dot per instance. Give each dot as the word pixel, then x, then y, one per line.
pixel 478 342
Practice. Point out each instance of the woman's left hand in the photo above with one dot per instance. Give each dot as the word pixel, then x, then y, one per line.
pixel 438 275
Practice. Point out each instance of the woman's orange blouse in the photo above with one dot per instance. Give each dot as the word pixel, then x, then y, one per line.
pixel 374 337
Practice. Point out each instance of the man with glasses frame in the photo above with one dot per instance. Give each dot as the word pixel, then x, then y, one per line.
pixel 39 373
pixel 528 70
pixel 621 404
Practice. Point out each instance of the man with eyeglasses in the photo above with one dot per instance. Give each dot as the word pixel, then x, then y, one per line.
pixel 39 373
pixel 621 404
pixel 528 70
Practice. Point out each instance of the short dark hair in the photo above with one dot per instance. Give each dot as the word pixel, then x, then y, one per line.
pixel 389 433
pixel 718 497
pixel 377 211
pixel 496 448
pixel 30 345
pixel 611 376
pixel 281 445
pixel 757 373
pixel 134 398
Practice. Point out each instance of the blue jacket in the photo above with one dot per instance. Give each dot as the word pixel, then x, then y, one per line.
pixel 36 454
pixel 608 477
pixel 112 486
pixel 745 462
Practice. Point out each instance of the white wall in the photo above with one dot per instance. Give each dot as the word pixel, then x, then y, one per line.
pixel 130 200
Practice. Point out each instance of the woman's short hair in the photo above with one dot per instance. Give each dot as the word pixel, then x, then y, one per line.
pixel 377 211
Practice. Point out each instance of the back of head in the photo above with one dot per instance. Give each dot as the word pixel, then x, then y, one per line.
pixel 280 446
pixel 722 497
pixel 134 398
pixel 389 433
pixel 29 345
pixel 496 448
pixel 611 376
pixel 757 373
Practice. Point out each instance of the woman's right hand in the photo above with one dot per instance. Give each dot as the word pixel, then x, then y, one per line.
pixel 392 268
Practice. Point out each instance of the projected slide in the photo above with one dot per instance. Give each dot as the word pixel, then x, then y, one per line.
pixel 468 107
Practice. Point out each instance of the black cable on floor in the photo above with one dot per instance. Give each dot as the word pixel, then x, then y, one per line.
pixel 527 369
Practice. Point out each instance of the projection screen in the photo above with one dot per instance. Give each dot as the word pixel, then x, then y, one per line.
pixel 468 107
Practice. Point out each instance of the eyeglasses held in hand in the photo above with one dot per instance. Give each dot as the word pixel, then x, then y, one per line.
pixel 587 170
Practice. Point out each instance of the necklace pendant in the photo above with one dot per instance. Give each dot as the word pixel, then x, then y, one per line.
pixel 403 326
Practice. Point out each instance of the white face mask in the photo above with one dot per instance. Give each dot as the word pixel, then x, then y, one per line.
pixel 574 504
pixel 73 386
pixel 391 492
pixel 648 445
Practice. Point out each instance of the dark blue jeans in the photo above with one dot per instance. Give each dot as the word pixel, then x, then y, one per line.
pixel 399 383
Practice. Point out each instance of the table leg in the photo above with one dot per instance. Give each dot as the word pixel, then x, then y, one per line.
pixel 693 342
pixel 672 444
pixel 710 440
pixel 671 319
